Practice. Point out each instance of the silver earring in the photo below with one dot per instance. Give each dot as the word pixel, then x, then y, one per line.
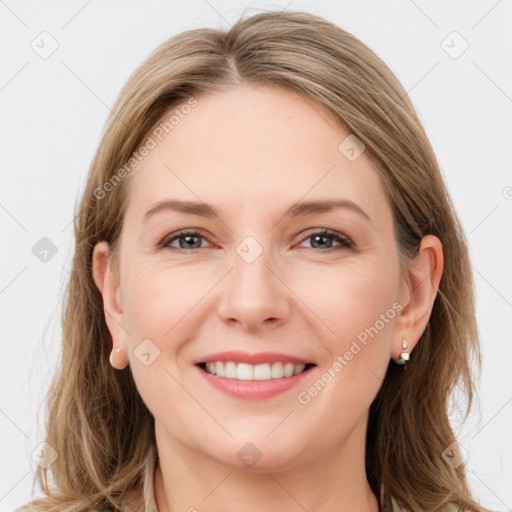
pixel 404 357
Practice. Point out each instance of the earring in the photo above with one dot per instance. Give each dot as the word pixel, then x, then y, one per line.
pixel 404 357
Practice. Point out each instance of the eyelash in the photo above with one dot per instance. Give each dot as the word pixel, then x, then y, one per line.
pixel 345 242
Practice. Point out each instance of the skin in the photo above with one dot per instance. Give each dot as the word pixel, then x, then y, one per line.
pixel 252 152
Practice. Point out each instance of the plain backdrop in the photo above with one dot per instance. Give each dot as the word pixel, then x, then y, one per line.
pixel 62 66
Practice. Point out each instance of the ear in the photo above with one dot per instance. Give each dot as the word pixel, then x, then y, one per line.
pixel 417 294
pixel 108 285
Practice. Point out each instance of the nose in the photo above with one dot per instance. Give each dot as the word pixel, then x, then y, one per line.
pixel 255 296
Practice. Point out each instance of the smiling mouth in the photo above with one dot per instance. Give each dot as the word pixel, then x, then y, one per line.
pixel 248 372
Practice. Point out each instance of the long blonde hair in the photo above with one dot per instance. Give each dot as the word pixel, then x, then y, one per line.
pixel 97 422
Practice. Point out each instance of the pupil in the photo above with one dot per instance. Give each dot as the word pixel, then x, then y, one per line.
pixel 187 238
pixel 321 238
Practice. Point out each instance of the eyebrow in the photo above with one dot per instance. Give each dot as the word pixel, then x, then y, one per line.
pixel 299 209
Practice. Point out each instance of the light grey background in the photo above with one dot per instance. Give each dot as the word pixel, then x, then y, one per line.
pixel 52 112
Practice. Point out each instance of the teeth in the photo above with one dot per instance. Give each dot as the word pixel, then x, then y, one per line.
pixel 244 371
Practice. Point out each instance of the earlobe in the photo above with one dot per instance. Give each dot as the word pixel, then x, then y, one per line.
pixel 118 358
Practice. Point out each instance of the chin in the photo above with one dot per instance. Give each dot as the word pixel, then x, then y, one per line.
pixel 261 451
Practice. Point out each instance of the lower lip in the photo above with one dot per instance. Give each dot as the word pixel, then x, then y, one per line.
pixel 254 389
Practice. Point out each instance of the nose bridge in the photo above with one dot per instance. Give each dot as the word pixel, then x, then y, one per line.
pixel 253 293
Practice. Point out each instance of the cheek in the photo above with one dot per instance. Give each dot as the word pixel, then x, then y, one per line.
pixel 350 299
pixel 357 303
pixel 161 305
pixel 156 298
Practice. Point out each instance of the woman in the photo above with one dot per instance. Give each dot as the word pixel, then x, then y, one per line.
pixel 271 297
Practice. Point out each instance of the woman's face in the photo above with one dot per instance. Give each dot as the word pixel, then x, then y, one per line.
pixel 257 277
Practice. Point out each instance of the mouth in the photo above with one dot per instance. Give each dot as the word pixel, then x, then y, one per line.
pixel 258 372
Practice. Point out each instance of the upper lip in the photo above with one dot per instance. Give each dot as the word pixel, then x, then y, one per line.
pixel 255 358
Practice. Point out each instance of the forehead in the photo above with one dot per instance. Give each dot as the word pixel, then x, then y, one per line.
pixel 254 147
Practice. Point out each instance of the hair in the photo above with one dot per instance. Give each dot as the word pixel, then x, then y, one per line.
pixel 96 420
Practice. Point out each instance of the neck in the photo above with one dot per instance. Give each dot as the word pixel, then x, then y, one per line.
pixel 334 481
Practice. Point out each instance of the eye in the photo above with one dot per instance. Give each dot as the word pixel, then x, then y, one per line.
pixel 186 240
pixel 321 239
